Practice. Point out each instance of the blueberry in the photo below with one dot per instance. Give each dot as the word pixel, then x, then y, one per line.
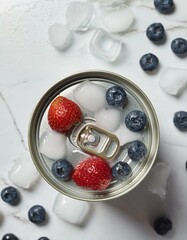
pixel 149 62
pixel 62 169
pixel 10 195
pixel 37 214
pixel 43 238
pixel 155 32
pixel 164 6
pixel 137 150
pixel 180 120
pixel 116 96
pixel 9 236
pixel 136 120
pixel 179 46
pixel 120 171
pixel 162 225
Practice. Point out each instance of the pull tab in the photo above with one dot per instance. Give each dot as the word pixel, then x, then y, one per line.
pixel 97 141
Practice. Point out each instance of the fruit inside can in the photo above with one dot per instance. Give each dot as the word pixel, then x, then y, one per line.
pixel 95 139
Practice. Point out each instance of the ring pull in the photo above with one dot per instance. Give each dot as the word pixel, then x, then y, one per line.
pixel 97 141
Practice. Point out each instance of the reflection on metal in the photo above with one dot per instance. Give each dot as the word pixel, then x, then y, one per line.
pixel 97 141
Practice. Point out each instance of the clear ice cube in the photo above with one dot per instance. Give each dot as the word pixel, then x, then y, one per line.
pixel 118 20
pixel 53 144
pixel 76 155
pixel 79 16
pixel 105 46
pixel 23 172
pixel 158 179
pixel 173 80
pixel 108 118
pixel 60 36
pixel 69 209
pixel 90 96
pixel 125 135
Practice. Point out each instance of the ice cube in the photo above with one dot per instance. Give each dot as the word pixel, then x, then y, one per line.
pixel 70 210
pixel 23 172
pixel 90 96
pixel 118 20
pixel 105 46
pixel 60 36
pixel 53 144
pixel 76 155
pixel 108 118
pixel 173 80
pixel 125 135
pixel 79 16
pixel 158 179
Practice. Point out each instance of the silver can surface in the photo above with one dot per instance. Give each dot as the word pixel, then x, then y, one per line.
pixel 111 146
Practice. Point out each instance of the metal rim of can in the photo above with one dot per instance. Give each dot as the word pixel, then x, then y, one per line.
pixel 56 89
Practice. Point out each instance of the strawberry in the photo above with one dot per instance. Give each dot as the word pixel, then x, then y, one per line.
pixel 92 173
pixel 63 114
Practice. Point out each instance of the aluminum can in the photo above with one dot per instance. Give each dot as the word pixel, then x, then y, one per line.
pixel 76 139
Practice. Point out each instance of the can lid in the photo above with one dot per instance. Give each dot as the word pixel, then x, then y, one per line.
pixel 140 170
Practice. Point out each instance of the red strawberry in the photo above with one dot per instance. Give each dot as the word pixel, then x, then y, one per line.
pixel 63 114
pixel 92 173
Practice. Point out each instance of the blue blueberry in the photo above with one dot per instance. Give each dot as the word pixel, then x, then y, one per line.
pixel 162 225
pixel 10 195
pixel 9 236
pixel 179 46
pixel 155 32
pixel 37 214
pixel 137 150
pixel 121 170
pixel 164 6
pixel 62 169
pixel 180 120
pixel 43 238
pixel 136 120
pixel 149 62
pixel 116 96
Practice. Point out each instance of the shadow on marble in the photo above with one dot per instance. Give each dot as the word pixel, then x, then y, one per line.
pixel 182 56
pixel 1 218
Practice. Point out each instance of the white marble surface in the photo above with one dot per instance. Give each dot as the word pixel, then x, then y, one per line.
pixel 29 65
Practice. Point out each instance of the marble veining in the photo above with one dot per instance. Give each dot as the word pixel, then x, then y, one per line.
pixel 30 65
pixel 14 121
pixel 18 215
